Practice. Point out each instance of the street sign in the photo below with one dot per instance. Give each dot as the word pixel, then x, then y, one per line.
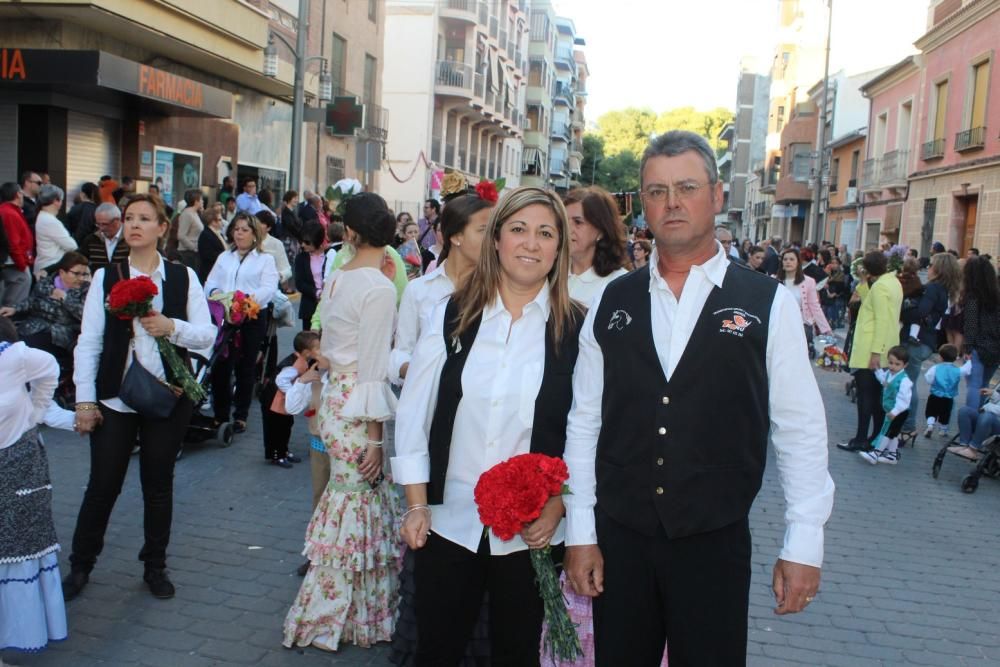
pixel 344 115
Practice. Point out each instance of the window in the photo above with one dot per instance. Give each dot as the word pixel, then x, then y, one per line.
pixel 903 131
pixel 373 10
pixel 834 174
pixel 940 106
pixel 801 161
pixel 371 69
pixel 781 118
pixel 855 159
pixel 334 169
pixel 980 83
pixel 338 63
pixel 881 125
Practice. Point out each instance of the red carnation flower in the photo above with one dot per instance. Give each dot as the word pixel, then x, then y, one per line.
pixel 132 298
pixel 487 191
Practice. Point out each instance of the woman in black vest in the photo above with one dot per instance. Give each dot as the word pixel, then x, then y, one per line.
pixel 103 354
pixel 309 270
pixel 490 380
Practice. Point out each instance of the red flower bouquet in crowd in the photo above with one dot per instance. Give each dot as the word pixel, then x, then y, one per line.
pixel 134 298
pixel 511 495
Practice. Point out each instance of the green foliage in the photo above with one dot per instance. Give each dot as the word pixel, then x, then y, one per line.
pixel 626 130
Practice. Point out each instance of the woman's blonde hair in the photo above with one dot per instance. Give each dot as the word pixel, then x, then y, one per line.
pixel 256 227
pixel 481 289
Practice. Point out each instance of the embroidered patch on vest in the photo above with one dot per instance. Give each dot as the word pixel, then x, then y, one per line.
pixel 735 321
pixel 619 320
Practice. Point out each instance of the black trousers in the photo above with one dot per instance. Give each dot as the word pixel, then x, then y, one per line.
pixel 243 361
pixel 869 402
pixel 450 583
pixel 110 449
pixel 939 407
pixel 277 432
pixel 690 593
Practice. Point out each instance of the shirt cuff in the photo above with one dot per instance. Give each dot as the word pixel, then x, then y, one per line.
pixel 86 393
pixel 412 469
pixel 580 526
pixel 803 544
pixel 370 401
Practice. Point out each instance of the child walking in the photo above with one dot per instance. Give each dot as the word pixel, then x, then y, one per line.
pixel 896 391
pixel 276 419
pixel 944 379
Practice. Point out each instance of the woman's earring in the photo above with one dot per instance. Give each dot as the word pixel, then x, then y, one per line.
pixel 456 244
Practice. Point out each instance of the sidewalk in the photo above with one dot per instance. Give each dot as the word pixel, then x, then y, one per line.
pixel 912 572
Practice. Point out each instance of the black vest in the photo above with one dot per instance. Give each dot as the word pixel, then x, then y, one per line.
pixel 555 396
pixel 118 333
pixel 688 454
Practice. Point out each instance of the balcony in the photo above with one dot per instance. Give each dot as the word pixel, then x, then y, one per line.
pixel 970 140
pixel 869 175
pixel 562 92
pixel 376 127
pixel 565 54
pixel 463 10
pixel 454 78
pixel 561 131
pixel 893 170
pixel 539 27
pixel 932 150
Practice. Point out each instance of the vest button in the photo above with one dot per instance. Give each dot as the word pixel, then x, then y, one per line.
pixel 662 431
pixel 666 400
pixel 659 490
pixel 659 461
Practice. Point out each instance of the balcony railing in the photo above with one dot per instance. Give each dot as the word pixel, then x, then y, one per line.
pixel 932 149
pixel 564 53
pixel 561 130
pixel 869 174
pixel 893 170
pixel 376 125
pixel 970 139
pixel 539 27
pixel 463 5
pixel 454 74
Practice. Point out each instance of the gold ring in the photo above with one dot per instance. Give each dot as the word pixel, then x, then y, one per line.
pixel 809 599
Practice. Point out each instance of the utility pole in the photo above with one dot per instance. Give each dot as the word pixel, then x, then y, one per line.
pixel 813 230
pixel 298 98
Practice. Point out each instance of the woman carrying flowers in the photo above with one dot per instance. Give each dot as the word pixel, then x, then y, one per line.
pixel 491 379
pixel 158 312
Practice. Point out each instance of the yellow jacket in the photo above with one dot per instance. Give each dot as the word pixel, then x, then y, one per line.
pixel 878 321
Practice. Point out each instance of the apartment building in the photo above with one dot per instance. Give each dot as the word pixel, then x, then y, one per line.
pixel 749 136
pixel 954 188
pixel 844 205
pixel 454 79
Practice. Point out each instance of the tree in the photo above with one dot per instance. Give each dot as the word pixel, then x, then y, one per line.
pixel 619 173
pixel 593 155
pixel 706 123
pixel 626 130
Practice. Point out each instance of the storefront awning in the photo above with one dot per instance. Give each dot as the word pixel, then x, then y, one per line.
pixel 70 68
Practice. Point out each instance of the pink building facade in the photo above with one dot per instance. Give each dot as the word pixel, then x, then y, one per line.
pixel 890 156
pixel 954 183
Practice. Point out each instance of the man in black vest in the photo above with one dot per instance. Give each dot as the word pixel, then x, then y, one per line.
pixel 661 485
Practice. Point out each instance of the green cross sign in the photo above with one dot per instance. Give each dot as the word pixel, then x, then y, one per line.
pixel 344 115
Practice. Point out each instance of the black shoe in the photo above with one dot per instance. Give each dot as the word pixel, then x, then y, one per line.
pixel 853 446
pixel 73 584
pixel 281 463
pixel 292 458
pixel 159 584
pixel 239 426
pixel 302 569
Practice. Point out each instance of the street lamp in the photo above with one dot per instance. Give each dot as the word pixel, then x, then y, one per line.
pixel 298 97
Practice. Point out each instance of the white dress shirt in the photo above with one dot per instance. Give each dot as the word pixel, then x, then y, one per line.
pixel 798 423
pixel 419 301
pixel 111 243
pixel 196 333
pixel 53 241
pixel 276 249
pixel 588 285
pixel 493 423
pixel 903 394
pixel 253 274
pixel 21 409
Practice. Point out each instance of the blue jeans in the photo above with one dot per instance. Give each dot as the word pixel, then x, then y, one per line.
pixel 918 355
pixel 975 426
pixel 979 378
pixel 832 313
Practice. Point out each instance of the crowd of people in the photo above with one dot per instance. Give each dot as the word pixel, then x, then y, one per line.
pixel 488 326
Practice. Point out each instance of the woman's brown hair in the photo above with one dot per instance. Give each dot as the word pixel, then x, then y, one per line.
pixel 799 276
pixel 483 286
pixel 601 211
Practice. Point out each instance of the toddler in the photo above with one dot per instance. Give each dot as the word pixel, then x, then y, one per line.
pixel 276 420
pixel 944 379
pixel 896 391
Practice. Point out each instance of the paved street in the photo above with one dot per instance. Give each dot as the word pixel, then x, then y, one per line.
pixel 912 573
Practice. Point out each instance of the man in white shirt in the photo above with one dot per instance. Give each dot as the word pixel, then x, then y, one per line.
pixel 105 245
pixel 660 488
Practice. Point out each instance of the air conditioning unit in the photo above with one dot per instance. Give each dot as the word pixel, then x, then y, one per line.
pixel 852 196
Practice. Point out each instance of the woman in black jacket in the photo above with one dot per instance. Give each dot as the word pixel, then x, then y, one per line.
pixel 920 321
pixel 309 270
pixel 211 241
pixel 981 321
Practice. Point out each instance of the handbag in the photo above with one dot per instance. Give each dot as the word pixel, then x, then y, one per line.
pixel 147 394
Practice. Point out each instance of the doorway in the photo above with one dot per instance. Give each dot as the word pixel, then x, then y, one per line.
pixel 969 224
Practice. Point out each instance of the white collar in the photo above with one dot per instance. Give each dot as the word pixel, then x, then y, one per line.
pixel 158 270
pixel 588 276
pixel 541 301
pixel 714 269
pixel 437 273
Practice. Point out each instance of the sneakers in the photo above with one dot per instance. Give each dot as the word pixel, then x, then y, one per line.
pixel 876 456
pixel 929 431
pixel 159 584
pixel 870 456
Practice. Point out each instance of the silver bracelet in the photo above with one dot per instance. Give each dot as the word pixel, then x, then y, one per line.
pixel 415 508
pixel 376 443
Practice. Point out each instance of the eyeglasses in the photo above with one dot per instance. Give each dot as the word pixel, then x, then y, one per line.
pixel 657 194
pixel 726 242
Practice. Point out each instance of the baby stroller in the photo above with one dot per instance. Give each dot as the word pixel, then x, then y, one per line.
pixel 202 427
pixel 988 465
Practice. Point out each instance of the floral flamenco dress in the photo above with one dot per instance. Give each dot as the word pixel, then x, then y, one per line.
pixel 351 590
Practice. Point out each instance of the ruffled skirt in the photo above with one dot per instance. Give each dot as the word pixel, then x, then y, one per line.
pixel 32 611
pixel 351 590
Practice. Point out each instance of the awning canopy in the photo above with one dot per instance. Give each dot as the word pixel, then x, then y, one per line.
pixel 29 68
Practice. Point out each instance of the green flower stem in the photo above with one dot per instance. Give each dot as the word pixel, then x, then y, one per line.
pixel 182 375
pixel 560 641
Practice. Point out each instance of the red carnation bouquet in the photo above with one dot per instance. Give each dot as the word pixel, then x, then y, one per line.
pixel 511 495
pixel 134 298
